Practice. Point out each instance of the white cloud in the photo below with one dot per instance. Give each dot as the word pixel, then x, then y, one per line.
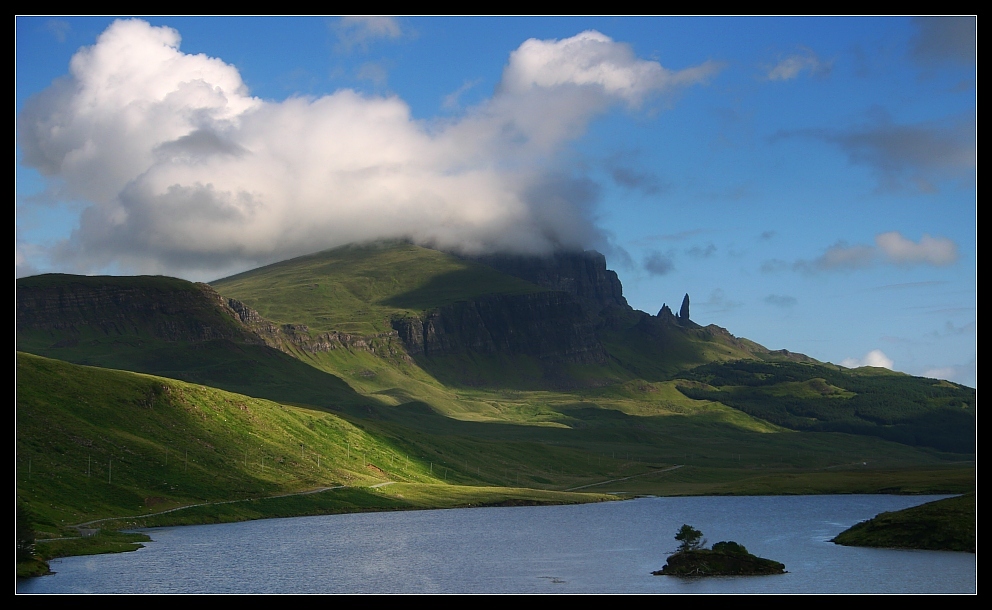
pixel 59 28
pixel 875 357
pixel 938 251
pixel 966 374
pixel 374 72
pixel 452 101
pixel 360 31
pixel 842 256
pixel 593 59
pixel 791 67
pixel 940 373
pixel 890 247
pixel 186 172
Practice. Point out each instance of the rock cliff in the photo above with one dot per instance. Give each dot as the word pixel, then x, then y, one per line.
pixel 581 274
pixel 548 325
pixel 67 306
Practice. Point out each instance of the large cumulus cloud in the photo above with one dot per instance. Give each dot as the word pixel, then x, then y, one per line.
pixel 184 171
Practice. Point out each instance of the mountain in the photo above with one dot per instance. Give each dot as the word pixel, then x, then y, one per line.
pixel 487 373
pixel 509 321
pixel 168 327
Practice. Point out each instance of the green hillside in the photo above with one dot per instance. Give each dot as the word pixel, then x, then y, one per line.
pixel 97 443
pixel 450 381
pixel 944 525
pixel 358 289
pixel 100 448
pixel 164 326
pixel 877 402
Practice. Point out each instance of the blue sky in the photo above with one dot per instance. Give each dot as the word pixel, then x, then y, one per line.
pixel 810 182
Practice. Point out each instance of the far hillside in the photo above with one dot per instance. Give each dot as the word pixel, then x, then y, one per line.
pixel 516 371
pixel 871 401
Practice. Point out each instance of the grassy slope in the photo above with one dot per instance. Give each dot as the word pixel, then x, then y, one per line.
pixel 73 420
pixel 803 396
pixel 658 354
pixel 107 443
pixel 944 525
pixel 121 448
pixel 129 330
pixel 357 289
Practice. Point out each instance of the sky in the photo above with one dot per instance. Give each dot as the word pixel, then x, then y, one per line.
pixel 810 182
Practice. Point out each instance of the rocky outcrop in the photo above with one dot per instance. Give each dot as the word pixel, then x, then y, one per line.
pixel 581 274
pixel 247 315
pixel 57 310
pixel 300 337
pixel 547 325
pixel 150 306
pixel 684 311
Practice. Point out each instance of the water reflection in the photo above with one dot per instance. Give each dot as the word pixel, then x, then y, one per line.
pixel 599 548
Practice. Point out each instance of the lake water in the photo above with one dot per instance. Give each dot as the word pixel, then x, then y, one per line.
pixel 593 548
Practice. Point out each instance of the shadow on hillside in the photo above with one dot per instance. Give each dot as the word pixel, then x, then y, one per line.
pixel 459 285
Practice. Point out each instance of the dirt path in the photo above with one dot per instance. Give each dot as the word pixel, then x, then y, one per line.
pixel 643 474
pixel 89 524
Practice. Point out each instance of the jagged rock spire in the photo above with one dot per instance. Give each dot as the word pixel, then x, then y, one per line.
pixel 684 310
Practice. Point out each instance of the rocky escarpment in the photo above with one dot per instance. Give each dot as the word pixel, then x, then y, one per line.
pixel 67 306
pixel 581 274
pixel 548 325
pixel 58 310
pixel 299 336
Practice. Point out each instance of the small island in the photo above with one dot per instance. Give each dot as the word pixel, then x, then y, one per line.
pixel 943 525
pixel 726 558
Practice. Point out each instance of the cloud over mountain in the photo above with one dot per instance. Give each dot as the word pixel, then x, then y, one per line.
pixel 875 357
pixel 184 170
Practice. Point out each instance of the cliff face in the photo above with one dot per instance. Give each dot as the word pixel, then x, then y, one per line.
pixel 299 336
pixel 581 274
pixel 159 307
pixel 557 326
pixel 548 325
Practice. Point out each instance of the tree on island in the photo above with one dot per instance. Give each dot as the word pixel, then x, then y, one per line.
pixel 690 539
pixel 726 558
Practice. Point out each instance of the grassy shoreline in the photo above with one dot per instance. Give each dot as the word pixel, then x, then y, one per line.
pixel 339 500
pixel 121 450
pixel 944 525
